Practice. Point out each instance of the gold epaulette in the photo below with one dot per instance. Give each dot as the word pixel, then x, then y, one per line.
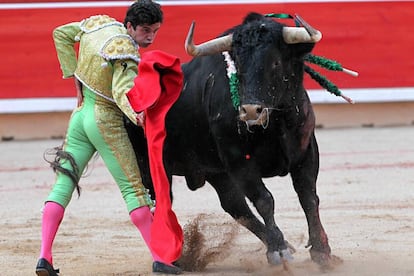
pixel 97 22
pixel 120 47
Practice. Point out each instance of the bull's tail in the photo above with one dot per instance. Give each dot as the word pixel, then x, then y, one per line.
pixel 60 155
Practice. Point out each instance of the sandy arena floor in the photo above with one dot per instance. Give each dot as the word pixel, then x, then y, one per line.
pixel 366 188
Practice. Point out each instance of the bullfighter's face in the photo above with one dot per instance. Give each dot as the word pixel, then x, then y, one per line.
pixel 144 35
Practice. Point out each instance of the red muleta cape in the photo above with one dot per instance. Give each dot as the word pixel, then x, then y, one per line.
pixel 157 86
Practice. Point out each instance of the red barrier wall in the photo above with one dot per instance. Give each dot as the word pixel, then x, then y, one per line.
pixel 373 38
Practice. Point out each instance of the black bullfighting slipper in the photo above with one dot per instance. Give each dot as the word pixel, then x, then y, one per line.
pixel 159 267
pixel 44 268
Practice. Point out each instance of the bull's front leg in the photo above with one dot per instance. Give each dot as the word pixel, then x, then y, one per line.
pixel 304 181
pixel 278 250
pixel 232 198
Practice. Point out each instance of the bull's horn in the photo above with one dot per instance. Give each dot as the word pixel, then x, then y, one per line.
pixel 305 34
pixel 293 35
pixel 210 47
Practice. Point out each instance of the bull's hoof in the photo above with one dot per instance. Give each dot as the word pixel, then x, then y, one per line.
pixel 278 258
pixel 325 261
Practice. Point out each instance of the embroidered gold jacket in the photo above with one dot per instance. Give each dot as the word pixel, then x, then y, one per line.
pixel 103 45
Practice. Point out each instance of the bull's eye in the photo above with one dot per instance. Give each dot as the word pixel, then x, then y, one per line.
pixel 275 64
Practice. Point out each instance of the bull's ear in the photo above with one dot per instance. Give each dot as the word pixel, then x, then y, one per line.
pixel 253 16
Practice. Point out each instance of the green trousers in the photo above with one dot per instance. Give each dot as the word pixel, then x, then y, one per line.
pixel 98 125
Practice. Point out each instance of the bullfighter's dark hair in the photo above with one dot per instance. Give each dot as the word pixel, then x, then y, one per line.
pixel 144 12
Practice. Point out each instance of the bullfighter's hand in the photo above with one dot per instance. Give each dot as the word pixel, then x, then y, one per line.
pixel 141 119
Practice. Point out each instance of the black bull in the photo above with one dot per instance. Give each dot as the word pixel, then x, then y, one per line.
pixel 271 133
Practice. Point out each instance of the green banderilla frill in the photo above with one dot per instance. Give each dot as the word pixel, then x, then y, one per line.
pixel 328 64
pixel 325 83
pixel 234 90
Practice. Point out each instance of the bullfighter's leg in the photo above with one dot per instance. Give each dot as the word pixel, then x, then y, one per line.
pixel 304 181
pixel 233 201
pixel 139 143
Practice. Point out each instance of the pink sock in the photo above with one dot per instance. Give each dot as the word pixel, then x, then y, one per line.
pixel 142 219
pixel 52 216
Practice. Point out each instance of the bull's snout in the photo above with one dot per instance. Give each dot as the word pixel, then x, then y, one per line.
pixel 254 114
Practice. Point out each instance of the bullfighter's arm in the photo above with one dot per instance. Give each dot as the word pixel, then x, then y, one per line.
pixel 125 72
pixel 65 38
